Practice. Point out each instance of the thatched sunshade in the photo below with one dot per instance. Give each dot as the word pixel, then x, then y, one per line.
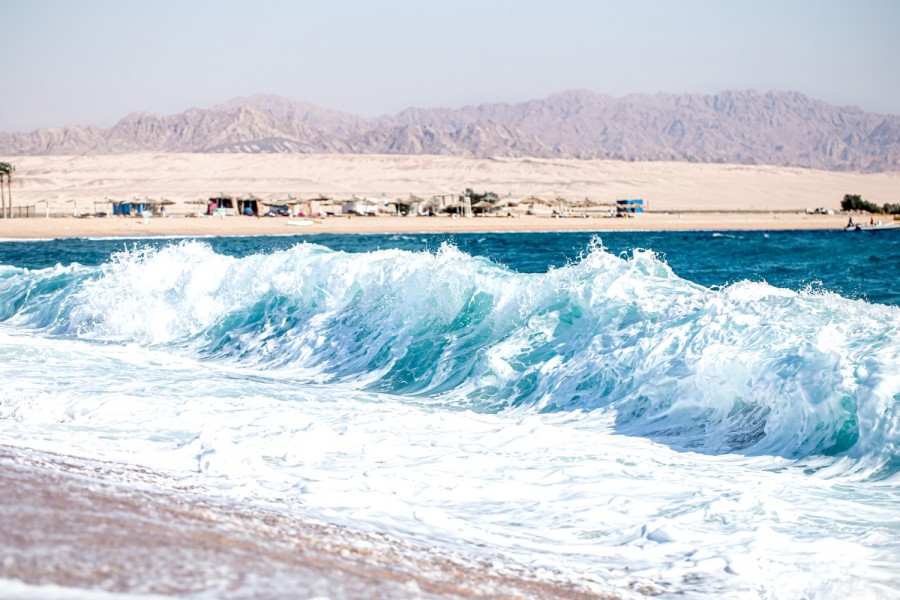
pixel 587 202
pixel 155 202
pixel 287 202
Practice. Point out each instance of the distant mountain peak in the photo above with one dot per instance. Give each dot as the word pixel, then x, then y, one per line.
pixel 734 126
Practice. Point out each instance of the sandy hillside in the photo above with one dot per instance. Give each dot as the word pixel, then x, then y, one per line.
pixel 76 182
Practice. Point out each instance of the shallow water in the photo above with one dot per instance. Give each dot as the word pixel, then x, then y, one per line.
pixel 710 414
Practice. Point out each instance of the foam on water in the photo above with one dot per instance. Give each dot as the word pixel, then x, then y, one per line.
pixel 733 440
pixel 748 368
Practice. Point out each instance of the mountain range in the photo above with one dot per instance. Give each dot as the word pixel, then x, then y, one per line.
pixel 743 127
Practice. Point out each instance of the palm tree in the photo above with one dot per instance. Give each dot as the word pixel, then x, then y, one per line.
pixel 6 170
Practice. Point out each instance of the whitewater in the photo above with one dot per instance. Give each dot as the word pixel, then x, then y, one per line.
pixel 603 418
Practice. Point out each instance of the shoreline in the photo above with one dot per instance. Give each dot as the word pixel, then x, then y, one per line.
pixel 107 527
pixel 176 226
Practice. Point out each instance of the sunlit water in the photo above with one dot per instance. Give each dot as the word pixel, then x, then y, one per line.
pixel 705 414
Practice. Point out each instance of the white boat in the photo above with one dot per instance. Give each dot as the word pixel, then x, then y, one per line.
pixel 879 226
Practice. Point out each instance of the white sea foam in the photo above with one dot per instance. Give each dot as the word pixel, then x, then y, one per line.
pixel 607 419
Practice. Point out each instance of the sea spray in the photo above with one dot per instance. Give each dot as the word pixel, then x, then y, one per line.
pixel 745 368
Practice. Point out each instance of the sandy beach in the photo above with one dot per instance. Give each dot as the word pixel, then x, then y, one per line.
pixel 114 528
pixel 229 226
pixel 679 196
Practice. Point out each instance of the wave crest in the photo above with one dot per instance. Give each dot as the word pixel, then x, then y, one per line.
pixel 748 367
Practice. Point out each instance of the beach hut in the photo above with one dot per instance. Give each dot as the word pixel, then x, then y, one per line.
pixel 156 207
pixel 292 207
pixel 323 205
pixel 410 206
pixel 281 207
pixel 128 208
pixel 561 207
pixel 441 202
pixel 249 205
pixel 361 206
pixel 431 206
pixel 353 206
pixel 122 208
pixel 587 206
pixel 537 206
pixel 483 207
pixel 222 205
pixel 419 206
pixel 453 207
pixel 298 207
pixel 629 207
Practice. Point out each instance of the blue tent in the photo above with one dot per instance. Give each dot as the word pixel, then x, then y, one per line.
pixel 630 206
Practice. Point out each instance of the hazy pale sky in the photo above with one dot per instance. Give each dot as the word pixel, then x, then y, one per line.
pixel 94 61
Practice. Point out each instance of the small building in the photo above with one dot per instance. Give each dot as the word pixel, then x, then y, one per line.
pixel 222 205
pixel 629 206
pixel 360 206
pixel 156 207
pixel 321 205
pixel 280 208
pixel 249 206
pixel 407 207
pixel 135 207
pixel 536 206
pixel 128 208
pixel 123 208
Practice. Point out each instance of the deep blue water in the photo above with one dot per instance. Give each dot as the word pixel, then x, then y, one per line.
pixel 853 264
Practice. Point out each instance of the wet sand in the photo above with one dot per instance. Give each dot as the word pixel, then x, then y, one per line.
pixel 115 528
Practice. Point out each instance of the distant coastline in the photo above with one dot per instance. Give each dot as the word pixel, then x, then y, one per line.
pixel 680 196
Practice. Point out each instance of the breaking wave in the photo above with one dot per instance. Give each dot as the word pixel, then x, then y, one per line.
pixel 747 368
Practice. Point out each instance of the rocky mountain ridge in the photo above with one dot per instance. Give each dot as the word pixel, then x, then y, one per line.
pixel 744 127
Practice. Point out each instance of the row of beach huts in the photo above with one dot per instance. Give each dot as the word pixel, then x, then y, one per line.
pixel 466 205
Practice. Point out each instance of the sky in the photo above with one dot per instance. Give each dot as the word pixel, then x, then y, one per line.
pixel 92 62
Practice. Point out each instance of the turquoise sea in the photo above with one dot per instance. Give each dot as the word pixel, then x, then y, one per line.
pixel 697 414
